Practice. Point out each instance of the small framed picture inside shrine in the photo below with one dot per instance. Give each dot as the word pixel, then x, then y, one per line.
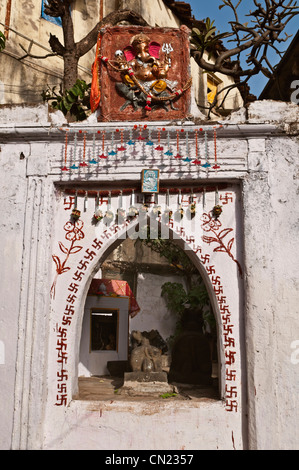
pixel 150 181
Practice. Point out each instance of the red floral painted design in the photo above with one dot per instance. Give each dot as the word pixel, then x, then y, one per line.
pixel 212 226
pixel 74 233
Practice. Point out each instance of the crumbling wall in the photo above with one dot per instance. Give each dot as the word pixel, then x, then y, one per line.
pixel 259 150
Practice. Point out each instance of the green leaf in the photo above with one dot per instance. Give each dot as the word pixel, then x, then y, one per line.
pixel 2 41
pixel 71 97
pixel 66 103
pixel 75 90
pixel 168 395
pixel 210 32
pixel 62 108
pixel 75 101
pixel 196 31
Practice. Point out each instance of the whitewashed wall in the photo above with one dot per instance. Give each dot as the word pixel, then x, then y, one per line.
pixel 154 312
pixel 23 81
pixel 257 153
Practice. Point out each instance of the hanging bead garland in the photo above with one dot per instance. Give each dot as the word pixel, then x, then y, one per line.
pixel 196 161
pixel 83 163
pixel 112 151
pixel 206 164
pixel 178 155
pixel 168 152
pixel 180 211
pixel 74 166
pixel 75 212
pixel 133 210
pixel 64 168
pixel 122 148
pixel 109 216
pixel 204 200
pixel 217 209
pixel 192 205
pixel 150 142
pixel 102 155
pixel 187 159
pixel 93 161
pixel 216 166
pixel 98 214
pixel 85 201
pixel 141 128
pixel 131 141
pixel 159 147
pixel 167 213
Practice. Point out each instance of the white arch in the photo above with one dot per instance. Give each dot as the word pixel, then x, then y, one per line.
pixel 106 249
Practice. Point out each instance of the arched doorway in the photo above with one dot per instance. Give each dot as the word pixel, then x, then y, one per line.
pixel 123 260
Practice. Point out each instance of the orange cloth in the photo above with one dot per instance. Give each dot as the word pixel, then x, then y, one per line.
pixel 95 92
pixel 117 288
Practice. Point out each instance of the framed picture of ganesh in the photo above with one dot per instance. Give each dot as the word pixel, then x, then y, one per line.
pixel 150 181
pixel 143 73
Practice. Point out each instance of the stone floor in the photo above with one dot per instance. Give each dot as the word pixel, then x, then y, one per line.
pixel 108 388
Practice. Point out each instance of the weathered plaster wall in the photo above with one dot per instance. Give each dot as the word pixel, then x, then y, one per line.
pixel 271 230
pixel 23 81
pixel 155 13
pixel 154 312
pixel 258 158
pixel 13 202
pixel 70 292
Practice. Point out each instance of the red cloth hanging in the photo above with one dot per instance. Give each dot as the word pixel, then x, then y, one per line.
pixel 116 288
pixel 95 92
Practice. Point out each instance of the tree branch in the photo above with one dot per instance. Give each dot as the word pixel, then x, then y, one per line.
pixel 112 19
pixel 269 23
pixel 28 54
pixel 56 8
pixel 56 45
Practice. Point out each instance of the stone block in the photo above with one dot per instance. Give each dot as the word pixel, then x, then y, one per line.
pixel 150 383
pixel 257 145
pixel 145 377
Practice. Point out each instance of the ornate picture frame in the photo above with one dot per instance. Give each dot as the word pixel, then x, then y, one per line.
pixel 150 179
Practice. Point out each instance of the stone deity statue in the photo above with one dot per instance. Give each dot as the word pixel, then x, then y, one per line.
pixel 144 356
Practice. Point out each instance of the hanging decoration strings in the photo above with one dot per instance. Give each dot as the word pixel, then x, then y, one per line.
pixel 216 166
pixel 74 166
pixel 98 196
pixel 83 163
pixel 187 159
pixel 196 161
pixel 112 151
pixel 159 147
pixel 123 148
pixel 102 155
pixel 93 161
pixel 206 164
pixel 64 168
pixel 178 155
pixel 190 203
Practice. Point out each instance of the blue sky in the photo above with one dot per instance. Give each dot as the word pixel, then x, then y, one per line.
pixel 210 8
